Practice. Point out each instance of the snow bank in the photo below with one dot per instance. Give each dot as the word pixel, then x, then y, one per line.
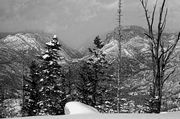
pixel 78 108
pixel 169 115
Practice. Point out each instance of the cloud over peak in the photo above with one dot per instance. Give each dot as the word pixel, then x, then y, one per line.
pixel 75 21
pixel 88 9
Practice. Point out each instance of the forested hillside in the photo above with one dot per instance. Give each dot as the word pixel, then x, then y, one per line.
pixel 83 75
pixel 17 51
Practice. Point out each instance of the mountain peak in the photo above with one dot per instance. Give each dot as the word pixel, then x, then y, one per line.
pixel 21 41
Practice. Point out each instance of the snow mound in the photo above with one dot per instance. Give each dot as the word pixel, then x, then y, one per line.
pixel 78 108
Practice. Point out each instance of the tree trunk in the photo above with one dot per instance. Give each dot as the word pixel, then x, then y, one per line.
pixel 158 90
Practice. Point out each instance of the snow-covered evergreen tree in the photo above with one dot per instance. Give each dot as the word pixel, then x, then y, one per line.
pixel 50 82
pixel 91 86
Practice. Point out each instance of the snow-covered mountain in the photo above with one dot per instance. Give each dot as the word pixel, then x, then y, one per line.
pixel 28 45
pixel 20 47
pixel 136 60
pixel 111 48
pixel 21 41
pixel 133 38
pixel 34 41
pixel 17 50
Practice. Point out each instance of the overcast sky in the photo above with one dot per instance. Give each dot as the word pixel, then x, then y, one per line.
pixel 75 21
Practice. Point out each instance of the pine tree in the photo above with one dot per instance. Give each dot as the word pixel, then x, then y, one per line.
pixel 98 42
pixel 84 85
pixel 52 81
pixel 91 86
pixel 31 89
pixel 1 103
pixel 47 87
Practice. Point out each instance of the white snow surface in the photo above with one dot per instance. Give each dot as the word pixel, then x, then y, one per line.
pixel 50 43
pixel 112 46
pixel 75 107
pixel 169 115
pixel 45 56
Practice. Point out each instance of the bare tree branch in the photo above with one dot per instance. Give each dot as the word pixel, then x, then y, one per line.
pixel 144 4
pixel 161 56
pixel 172 49
pixel 164 53
pixel 153 14
pixel 165 79
pixel 168 68
pixel 151 38
pixel 161 26
pixel 164 21
pixel 161 16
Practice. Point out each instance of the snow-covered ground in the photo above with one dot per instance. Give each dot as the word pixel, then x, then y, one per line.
pixel 172 115
pixel 78 108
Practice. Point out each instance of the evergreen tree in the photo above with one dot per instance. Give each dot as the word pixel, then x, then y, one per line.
pixel 47 88
pixel 1 103
pixel 31 89
pixel 91 86
pixel 52 81
pixel 98 42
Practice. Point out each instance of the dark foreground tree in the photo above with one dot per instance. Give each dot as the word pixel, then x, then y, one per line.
pixel 52 81
pixel 31 89
pixel 162 53
pixel 47 94
pixel 1 103
pixel 91 86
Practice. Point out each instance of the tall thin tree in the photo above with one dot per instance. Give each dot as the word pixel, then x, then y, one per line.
pixel 119 57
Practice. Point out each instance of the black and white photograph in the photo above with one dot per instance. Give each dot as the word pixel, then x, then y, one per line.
pixel 90 59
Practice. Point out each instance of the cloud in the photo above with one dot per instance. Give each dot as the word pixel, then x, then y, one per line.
pixel 86 9
pixel 86 15
pixel 18 15
pixel 76 20
pixel 110 6
pixel 89 9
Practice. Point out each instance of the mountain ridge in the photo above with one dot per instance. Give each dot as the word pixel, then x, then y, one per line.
pixel 18 50
pixel 134 62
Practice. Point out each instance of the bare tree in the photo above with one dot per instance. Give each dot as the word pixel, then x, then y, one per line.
pixel 119 58
pixel 161 55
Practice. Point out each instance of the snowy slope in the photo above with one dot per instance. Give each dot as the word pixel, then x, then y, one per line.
pixel 78 108
pixel 21 41
pixel 172 115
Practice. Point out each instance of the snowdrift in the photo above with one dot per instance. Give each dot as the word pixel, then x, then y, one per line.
pixel 78 108
pixel 170 115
